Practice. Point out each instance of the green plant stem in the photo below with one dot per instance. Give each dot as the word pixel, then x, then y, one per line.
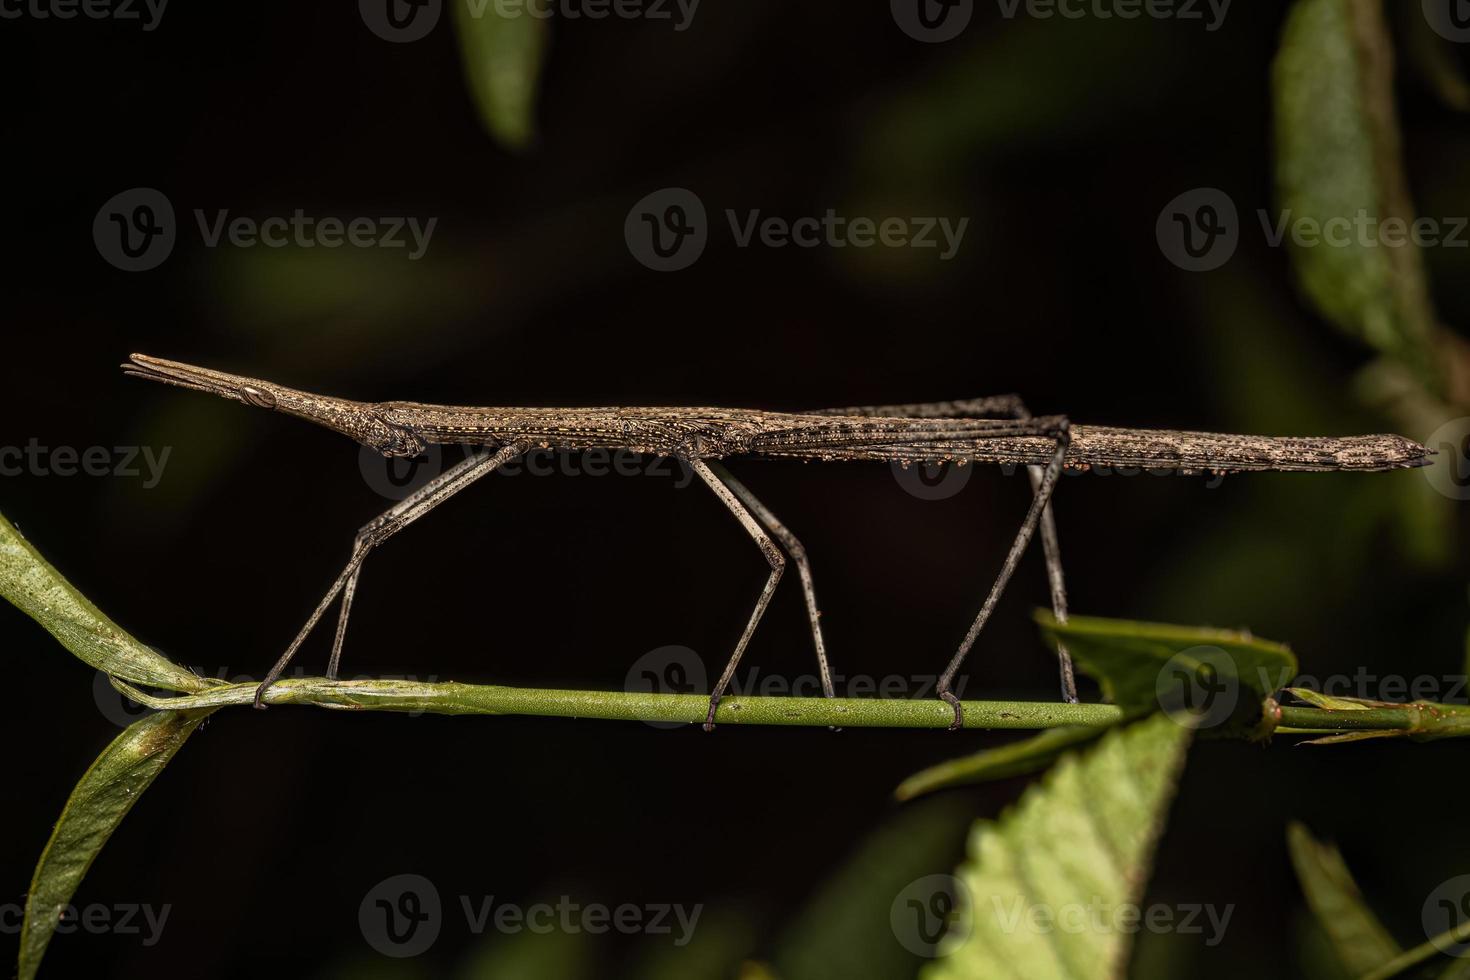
pixel 1417 719
pixel 1424 951
pixel 453 698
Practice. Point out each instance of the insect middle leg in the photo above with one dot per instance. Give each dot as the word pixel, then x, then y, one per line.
pixel 797 553
pixel 374 533
pixel 997 406
pixel 774 558
pixel 1028 527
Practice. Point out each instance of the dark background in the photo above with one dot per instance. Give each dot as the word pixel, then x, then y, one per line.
pixel 1060 140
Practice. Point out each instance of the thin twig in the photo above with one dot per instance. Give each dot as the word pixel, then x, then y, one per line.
pixel 453 698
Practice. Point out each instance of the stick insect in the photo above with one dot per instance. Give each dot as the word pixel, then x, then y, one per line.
pixel 996 430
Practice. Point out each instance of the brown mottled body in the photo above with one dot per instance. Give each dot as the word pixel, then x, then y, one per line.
pixel 985 430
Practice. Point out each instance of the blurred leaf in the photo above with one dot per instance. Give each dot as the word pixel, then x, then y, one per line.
pixel 1450 968
pixel 1316 958
pixel 502 58
pixel 1338 158
pixel 1003 91
pixel 844 929
pixel 311 304
pixel 39 591
pixel 1360 940
pixel 714 952
pixel 754 970
pixel 1079 842
pixel 529 953
pixel 1014 759
pixel 105 794
pixel 1127 657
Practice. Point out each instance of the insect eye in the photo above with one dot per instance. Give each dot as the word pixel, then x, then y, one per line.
pixel 257 396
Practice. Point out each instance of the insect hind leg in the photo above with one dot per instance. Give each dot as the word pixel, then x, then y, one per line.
pixel 996 406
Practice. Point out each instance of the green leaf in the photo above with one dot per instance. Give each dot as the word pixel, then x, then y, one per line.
pixel 1360 940
pixel 1078 844
pixel 38 590
pixel 502 55
pixel 1015 759
pixel 715 951
pixel 1338 157
pixel 1145 666
pixel 106 792
pixel 1327 701
pixel 845 928
pixel 1140 667
pixel 532 953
